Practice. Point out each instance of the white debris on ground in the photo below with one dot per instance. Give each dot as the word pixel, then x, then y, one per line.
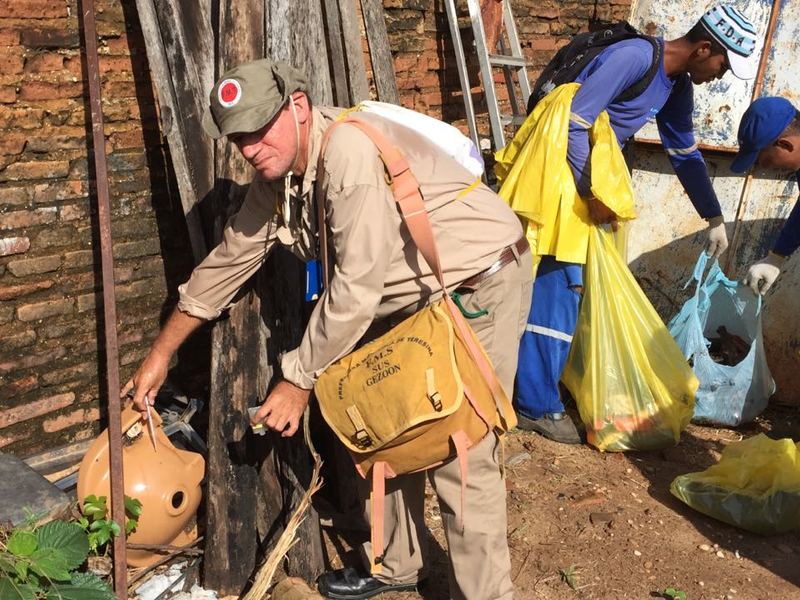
pixel 171 582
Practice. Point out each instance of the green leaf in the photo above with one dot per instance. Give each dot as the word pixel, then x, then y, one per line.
pixel 674 593
pixel 130 526
pixel 22 543
pixel 6 564
pixel 21 569
pixel 10 590
pixel 133 507
pixel 94 507
pixel 83 586
pixel 68 538
pixel 51 564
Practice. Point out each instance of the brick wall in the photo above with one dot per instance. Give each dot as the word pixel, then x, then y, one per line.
pixel 49 305
pixel 424 57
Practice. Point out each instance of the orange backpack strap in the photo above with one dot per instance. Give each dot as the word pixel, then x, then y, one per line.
pixel 377 507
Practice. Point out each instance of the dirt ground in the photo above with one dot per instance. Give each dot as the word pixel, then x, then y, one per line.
pixel 607 524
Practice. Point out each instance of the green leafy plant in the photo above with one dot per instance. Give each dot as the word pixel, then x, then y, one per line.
pixel 570 576
pixel 674 593
pixel 101 529
pixel 43 562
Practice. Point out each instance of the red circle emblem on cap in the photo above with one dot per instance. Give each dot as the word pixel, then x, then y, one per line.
pixel 230 92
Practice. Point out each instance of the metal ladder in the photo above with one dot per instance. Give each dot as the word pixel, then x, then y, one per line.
pixel 511 61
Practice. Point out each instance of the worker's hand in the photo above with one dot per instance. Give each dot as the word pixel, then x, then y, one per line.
pixel 761 275
pixel 148 379
pixel 283 408
pixel 600 214
pixel 717 238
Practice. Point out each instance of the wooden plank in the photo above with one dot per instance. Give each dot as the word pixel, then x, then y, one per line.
pixel 333 25
pixel 179 79
pixel 353 54
pixel 379 51
pixel 238 377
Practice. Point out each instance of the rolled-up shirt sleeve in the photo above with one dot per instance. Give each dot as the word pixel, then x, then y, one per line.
pixel 246 240
pixel 363 227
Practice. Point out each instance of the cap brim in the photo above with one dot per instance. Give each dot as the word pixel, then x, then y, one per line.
pixel 744 160
pixel 210 126
pixel 743 67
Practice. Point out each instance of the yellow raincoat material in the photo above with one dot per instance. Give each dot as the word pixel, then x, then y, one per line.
pixel 537 182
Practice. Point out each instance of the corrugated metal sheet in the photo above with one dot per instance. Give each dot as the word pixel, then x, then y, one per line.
pixel 718 105
pixel 668 236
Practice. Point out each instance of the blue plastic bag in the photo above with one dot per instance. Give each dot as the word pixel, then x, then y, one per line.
pixel 728 395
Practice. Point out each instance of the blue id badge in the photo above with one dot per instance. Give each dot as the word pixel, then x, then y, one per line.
pixel 313 279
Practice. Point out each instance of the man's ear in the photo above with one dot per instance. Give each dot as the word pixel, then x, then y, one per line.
pixel 702 49
pixel 300 101
pixel 786 144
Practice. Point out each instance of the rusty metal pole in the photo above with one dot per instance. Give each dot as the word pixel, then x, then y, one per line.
pixel 109 301
pixel 748 180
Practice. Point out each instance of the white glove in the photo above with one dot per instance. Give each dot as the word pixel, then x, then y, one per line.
pixel 761 275
pixel 717 238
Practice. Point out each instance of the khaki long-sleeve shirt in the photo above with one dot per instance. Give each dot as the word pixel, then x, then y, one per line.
pixel 377 270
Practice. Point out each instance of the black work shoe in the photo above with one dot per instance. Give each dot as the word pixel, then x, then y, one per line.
pixel 349 583
pixel 554 426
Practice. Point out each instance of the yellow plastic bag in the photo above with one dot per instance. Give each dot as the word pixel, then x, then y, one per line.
pixel 633 387
pixel 537 182
pixel 755 486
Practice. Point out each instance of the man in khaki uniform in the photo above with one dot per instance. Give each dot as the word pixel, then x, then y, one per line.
pixel 378 278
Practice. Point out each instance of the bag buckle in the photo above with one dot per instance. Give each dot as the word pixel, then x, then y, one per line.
pixel 362 439
pixel 431 392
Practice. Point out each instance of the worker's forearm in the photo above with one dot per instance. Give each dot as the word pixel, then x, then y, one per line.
pixel 178 327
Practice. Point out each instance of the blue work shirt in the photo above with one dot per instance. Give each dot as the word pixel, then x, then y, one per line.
pixel 669 100
pixel 789 238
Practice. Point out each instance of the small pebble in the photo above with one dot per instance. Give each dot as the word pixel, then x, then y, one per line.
pixel 736 554
pixel 720 554
pixel 701 583
pixel 705 547
pixel 637 553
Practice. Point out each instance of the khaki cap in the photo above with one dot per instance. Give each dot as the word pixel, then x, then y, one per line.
pixel 248 96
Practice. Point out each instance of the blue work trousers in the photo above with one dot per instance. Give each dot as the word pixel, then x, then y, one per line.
pixel 547 338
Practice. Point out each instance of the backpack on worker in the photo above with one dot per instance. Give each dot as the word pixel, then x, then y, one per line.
pixel 425 391
pixel 569 61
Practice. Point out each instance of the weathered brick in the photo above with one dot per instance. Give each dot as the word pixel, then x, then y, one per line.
pixel 19 340
pixel 32 91
pixel 11 61
pixel 6 314
pixel 78 258
pixel 138 289
pixel 139 248
pixel 13 142
pixel 86 302
pixel 21 118
pixel 11 292
pixel 34 9
pixel 26 218
pixel 45 193
pixel 54 237
pixel 50 141
pixel 8 94
pixel 81 371
pixel 72 212
pixel 14 245
pixel 125 161
pixel 6 439
pixel 51 37
pixel 68 420
pixel 42 169
pixel 127 139
pixel 45 62
pixel 42 310
pixel 9 37
pixel 34 266
pixel 19 386
pixel 34 409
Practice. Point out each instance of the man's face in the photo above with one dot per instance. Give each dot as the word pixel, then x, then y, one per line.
pixel 705 67
pixel 272 149
pixel 783 154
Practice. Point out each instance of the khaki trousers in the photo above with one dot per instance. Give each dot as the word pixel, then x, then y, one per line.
pixel 479 558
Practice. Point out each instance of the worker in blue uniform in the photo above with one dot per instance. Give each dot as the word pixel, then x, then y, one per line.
pixel 769 135
pixel 724 39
